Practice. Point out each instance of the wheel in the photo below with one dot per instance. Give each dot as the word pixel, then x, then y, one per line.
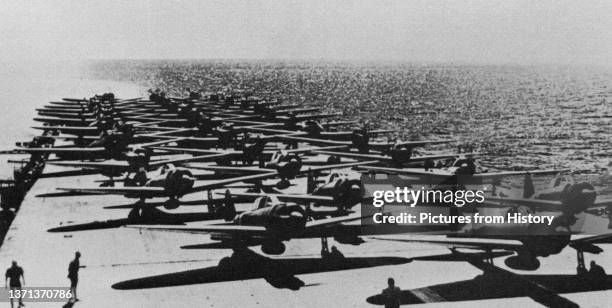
pixel 273 248
pixel 522 263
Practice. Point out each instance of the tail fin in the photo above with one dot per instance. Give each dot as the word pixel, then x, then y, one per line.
pixel 211 207
pixel 528 189
pixel 311 184
pixel 229 210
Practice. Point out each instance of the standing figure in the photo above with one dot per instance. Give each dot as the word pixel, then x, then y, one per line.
pixel 14 275
pixel 73 275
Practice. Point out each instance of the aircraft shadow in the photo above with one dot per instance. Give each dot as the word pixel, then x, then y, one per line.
pixel 246 264
pixel 67 173
pixel 153 216
pixel 488 286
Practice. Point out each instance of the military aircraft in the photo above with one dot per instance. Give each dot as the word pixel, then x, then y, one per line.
pixel 462 165
pixel 148 213
pixel 114 145
pixel 569 202
pixel 563 193
pixel 246 154
pixel 398 157
pixel 268 225
pixel 339 190
pixel 285 165
pixel 314 129
pixel 168 181
pixel 360 140
pixel 134 162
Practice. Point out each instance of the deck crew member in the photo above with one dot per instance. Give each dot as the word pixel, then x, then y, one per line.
pixel 597 273
pixel 391 294
pixel 14 274
pixel 73 275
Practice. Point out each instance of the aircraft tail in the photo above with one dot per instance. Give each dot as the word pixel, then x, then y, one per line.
pixel 311 184
pixel 528 188
pixel 229 209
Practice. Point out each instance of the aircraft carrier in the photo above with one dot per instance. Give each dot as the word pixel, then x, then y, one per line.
pixel 127 264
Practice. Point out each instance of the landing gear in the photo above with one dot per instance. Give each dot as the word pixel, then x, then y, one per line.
pixel 330 256
pixel 581 268
pixel 324 247
pixel 489 257
pixel 283 184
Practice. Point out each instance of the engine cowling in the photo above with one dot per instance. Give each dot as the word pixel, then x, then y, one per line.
pixel 349 239
pixel 360 140
pixel 178 182
pixel 578 198
pixel 523 262
pixel 171 204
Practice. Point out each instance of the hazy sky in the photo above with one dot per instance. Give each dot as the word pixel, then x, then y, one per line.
pixel 408 30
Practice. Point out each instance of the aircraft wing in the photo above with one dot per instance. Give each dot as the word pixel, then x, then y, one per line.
pixel 75 130
pixel 424 142
pixel 309 149
pixel 384 157
pixel 177 161
pixel 188 150
pixel 338 123
pixel 140 191
pixel 307 169
pixel 288 197
pixel 382 146
pixel 124 164
pixel 234 152
pixel 588 243
pixel 62 150
pixel 265 129
pixel 244 231
pixel 511 173
pixel 466 244
pixel 603 203
pixel 91 164
pixel 231 169
pixel 408 171
pixel 538 203
pixel 306 117
pixel 236 230
pixel 155 143
pixel 445 173
pixel 316 141
pixel 88 139
pixel 329 222
pixel 355 155
pixel 222 183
